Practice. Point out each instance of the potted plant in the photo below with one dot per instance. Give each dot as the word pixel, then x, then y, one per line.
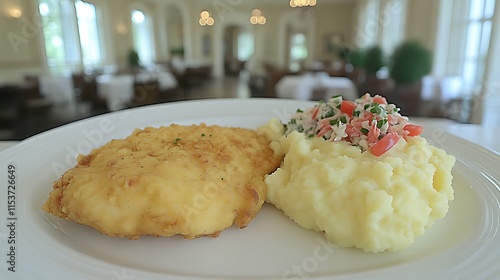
pixel 357 58
pixel 373 62
pixel 177 51
pixel 354 58
pixel 410 62
pixel 354 63
pixel 133 59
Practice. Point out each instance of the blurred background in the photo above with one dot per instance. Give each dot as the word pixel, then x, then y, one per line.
pixel 65 60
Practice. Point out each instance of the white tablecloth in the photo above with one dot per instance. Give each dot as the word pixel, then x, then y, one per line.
pixel 59 90
pixel 166 80
pixel 302 87
pixel 116 90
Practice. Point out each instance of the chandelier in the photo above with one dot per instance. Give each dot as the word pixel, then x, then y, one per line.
pixel 302 3
pixel 257 17
pixel 206 19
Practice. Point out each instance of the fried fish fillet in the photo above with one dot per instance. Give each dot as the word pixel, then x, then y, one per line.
pixel 179 180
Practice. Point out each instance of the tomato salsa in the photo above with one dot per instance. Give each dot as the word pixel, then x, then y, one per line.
pixel 369 123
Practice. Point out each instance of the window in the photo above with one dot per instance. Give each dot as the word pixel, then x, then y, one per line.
pixel 143 40
pixel 89 33
pixel 60 41
pixel 298 51
pixel 368 23
pixel 477 28
pixel 245 46
pixel 381 22
pixel 471 23
pixel 393 24
pixel 71 35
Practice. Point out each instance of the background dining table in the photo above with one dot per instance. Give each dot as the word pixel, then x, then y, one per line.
pixel 315 86
pixel 118 91
pixel 58 89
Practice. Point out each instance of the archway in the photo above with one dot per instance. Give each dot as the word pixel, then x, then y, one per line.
pixel 175 29
pixel 237 20
pixel 238 49
pixel 297 21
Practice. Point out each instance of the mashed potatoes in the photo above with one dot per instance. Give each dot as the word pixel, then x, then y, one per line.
pixel 374 203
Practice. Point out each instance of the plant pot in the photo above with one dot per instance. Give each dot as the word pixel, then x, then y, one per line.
pixel 407 97
pixel 374 85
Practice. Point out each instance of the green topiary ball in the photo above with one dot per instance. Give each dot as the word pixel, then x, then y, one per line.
pixel 374 60
pixel 410 62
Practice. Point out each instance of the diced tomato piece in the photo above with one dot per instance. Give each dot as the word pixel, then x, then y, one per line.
pixel 315 112
pixel 413 130
pixel 385 144
pixel 347 107
pixel 379 99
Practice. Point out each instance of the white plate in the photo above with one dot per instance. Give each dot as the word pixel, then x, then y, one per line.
pixel 463 245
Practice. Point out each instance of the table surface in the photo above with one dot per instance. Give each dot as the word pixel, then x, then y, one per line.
pixel 486 136
pixel 303 86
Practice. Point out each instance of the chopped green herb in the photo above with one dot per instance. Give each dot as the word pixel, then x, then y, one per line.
pixel 376 110
pixel 310 135
pixel 330 114
pixel 343 119
pixel 364 130
pixel 177 140
pixel 335 96
pixel 380 123
pixel 356 113
pixel 366 106
pixel 293 121
pixel 299 111
pixel 380 137
pixel 334 122
pixel 203 135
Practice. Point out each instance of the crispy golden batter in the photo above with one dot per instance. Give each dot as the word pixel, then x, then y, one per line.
pixel 178 180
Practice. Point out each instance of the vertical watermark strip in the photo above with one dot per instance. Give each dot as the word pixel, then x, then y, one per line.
pixel 11 218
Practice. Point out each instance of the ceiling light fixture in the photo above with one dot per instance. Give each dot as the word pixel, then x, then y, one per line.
pixel 15 13
pixel 257 17
pixel 206 19
pixel 303 3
